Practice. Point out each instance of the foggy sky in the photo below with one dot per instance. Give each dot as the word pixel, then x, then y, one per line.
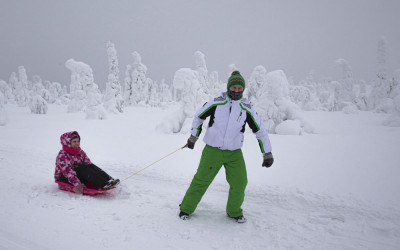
pixel 295 36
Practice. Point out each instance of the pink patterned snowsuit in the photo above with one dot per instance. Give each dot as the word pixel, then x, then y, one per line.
pixel 66 162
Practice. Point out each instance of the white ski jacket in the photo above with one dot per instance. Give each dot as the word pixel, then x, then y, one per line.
pixel 227 123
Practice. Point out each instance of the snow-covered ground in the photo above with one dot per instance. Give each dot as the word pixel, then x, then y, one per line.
pixel 336 189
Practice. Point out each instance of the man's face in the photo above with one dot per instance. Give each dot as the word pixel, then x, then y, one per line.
pixel 236 88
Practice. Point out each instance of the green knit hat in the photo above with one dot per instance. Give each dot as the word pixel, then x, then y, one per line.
pixel 235 79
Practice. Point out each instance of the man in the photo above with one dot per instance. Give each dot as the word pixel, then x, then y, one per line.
pixel 228 114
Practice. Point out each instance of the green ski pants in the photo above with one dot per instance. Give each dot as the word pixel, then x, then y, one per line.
pixel 211 162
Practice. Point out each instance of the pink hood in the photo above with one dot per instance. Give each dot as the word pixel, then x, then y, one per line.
pixel 67 137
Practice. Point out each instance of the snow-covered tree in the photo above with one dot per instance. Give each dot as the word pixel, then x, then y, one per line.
pixel 20 86
pixel 394 119
pixel 18 90
pixel 46 84
pixel 129 93
pixel 257 79
pixel 55 91
pixel 301 96
pixel 38 105
pixel 187 82
pixel 65 96
pixel 23 78
pixel 165 92
pixel 84 92
pixel 396 84
pixel 38 96
pixel 3 113
pixel 13 82
pixel 361 100
pixel 269 93
pixel 381 58
pixel 311 93
pixel 345 89
pixel 81 73
pixel 136 82
pixel 7 92
pixel 37 79
pixel 111 103
pixel 39 89
pixel 216 85
pixel 94 106
pixel 201 68
pixel 154 98
pixel 378 98
pixel 113 100
pixel 209 83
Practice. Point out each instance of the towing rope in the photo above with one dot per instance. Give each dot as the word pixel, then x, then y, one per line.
pixel 152 164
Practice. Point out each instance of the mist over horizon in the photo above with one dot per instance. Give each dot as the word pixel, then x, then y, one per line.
pixel 297 37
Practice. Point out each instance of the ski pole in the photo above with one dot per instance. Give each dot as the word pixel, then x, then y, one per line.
pixel 152 163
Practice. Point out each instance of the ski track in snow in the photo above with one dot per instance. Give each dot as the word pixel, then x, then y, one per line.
pixel 142 213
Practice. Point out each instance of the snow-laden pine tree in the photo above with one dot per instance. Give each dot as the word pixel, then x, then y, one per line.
pixel 186 81
pixel 18 90
pixel 23 78
pixel 216 85
pixel 38 95
pixel 209 83
pixel 81 73
pixel 301 96
pixel 345 96
pixel 154 98
pixel 38 88
pixel 129 93
pixel 381 87
pixel 20 86
pixel 136 82
pixel 7 92
pixel 65 96
pixel 113 100
pixel 13 82
pixel 46 84
pixel 26 84
pixel 3 113
pixel 55 91
pixel 361 100
pixel 381 58
pixel 311 101
pixel 326 94
pixel 257 79
pixel 270 97
pixel 165 92
pixel 37 104
pixel 396 83
pixel 201 68
pixel 394 119
pixel 94 105
pixel 84 92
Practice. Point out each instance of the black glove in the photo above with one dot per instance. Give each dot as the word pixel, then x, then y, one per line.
pixel 191 141
pixel 268 160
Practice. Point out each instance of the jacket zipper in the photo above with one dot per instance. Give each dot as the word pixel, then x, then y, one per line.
pixel 238 119
pixel 227 125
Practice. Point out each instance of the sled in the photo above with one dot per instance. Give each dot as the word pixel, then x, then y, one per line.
pixel 89 190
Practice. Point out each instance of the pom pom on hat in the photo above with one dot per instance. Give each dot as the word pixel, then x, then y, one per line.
pixel 235 79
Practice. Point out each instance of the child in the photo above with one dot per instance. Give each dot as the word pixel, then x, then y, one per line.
pixel 74 166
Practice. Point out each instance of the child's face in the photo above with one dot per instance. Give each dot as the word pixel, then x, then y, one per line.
pixel 75 142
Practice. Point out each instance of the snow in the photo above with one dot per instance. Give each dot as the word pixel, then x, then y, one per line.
pixel 333 189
